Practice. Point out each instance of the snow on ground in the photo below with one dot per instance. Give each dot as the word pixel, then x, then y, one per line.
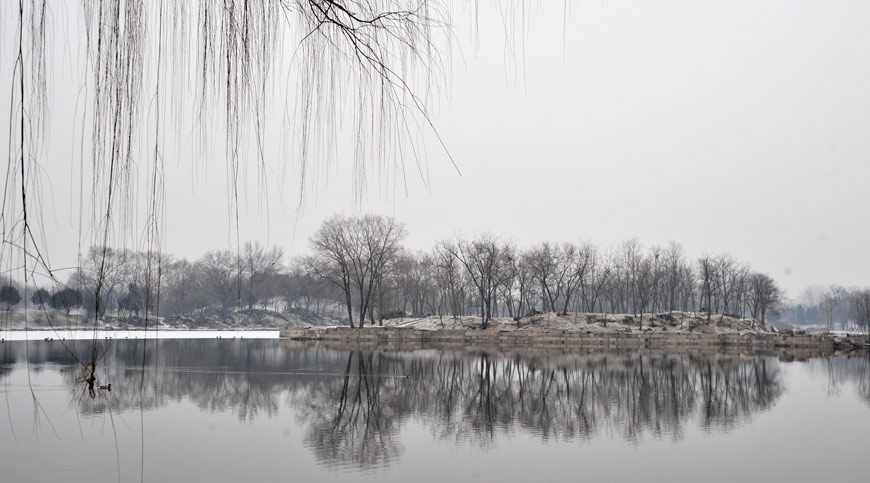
pixel 39 318
pixel 259 319
pixel 661 322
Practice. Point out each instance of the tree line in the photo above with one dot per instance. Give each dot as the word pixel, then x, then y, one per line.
pixel 833 307
pixel 486 276
pixel 359 271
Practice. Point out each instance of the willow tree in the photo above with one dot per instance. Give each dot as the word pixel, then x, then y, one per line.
pixel 149 68
pixel 151 72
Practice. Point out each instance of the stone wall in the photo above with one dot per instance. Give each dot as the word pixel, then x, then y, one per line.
pixel 395 337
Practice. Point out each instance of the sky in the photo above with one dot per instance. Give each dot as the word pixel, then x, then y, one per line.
pixel 739 127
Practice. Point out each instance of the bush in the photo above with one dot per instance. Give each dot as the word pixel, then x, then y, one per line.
pixel 66 299
pixel 396 314
pixel 9 296
pixel 40 297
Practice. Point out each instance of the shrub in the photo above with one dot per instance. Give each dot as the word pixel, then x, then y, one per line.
pixel 9 296
pixel 66 299
pixel 40 297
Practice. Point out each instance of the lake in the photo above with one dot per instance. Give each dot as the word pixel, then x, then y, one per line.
pixel 208 409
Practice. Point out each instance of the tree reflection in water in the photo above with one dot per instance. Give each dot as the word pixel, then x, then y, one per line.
pixel 864 382
pixel 353 404
pixel 354 419
pixel 841 370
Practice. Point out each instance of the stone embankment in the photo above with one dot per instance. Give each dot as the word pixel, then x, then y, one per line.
pixel 397 338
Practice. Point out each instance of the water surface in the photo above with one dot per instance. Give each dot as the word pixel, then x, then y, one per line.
pixel 269 410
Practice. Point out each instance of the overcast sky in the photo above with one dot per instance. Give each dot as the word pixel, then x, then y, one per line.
pixel 739 127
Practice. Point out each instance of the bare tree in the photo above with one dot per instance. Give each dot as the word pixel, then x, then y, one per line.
pixel 259 265
pixel 449 276
pixel 544 261
pixel 183 291
pixel 860 301
pixel 331 259
pixel 763 295
pixel 706 272
pixel 727 274
pixel 831 300
pixel 645 282
pixel 353 252
pixel 375 242
pixel 632 261
pixel 488 262
pixel 597 276
pixel 520 287
pixel 220 277
pixel 559 269
pixel 674 261
pixel 416 278
pixel 579 262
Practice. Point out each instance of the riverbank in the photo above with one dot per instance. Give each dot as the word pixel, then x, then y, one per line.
pixel 414 338
pixel 62 335
pixel 691 322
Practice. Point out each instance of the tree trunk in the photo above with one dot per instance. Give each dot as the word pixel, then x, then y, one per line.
pixel 349 306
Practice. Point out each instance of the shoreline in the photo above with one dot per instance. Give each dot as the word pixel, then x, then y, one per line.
pixel 139 329
pixel 404 337
pixel 133 334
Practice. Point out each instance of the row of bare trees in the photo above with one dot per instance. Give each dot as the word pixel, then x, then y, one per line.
pixel 485 276
pixel 489 277
pixel 359 271
pixel 833 307
pixel 126 282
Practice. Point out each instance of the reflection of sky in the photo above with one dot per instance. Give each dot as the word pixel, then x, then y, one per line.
pixel 185 437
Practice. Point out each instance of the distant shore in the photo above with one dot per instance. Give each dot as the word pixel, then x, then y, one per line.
pixel 588 332
pixel 138 329
pixel 61 335
pixel 50 319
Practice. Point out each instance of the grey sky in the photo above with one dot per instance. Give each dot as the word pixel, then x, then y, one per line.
pixel 739 127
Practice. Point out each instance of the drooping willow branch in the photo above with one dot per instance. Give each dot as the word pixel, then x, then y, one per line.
pixel 377 63
pixel 145 68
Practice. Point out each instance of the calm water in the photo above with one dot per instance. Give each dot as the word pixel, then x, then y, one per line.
pixel 269 410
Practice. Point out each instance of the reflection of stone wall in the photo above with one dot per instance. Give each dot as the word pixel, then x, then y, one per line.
pixel 460 338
